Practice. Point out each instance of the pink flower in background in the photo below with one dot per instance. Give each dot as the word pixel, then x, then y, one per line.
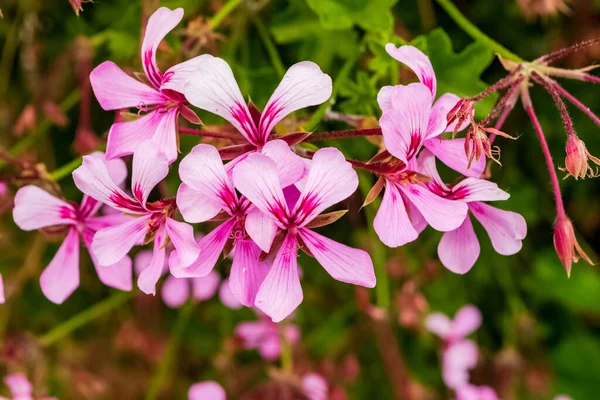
pixel 459 249
pixel 36 209
pixel 2 298
pixel 208 390
pixel 147 220
pixel 263 335
pixel 471 392
pixel 208 191
pixel 330 180
pixel 20 388
pixel 162 100
pixel 213 88
pixel 315 387
pixel 411 118
pixel 466 321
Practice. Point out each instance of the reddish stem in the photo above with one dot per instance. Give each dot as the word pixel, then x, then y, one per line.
pixel 344 134
pixel 218 135
pixel 560 208
pixel 560 104
pixel 563 92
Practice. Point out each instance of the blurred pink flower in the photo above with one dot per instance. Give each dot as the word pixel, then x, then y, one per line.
pixel 458 249
pixel 213 88
pixel 36 208
pixel 471 392
pixel 146 220
pixel 330 180
pixel 206 192
pixel 208 390
pixel 2 298
pixel 20 388
pixel 315 386
pixel 162 100
pixel 263 335
pixel 466 321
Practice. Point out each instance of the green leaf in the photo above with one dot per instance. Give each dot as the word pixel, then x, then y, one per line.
pixel 370 15
pixel 458 73
pixel 361 96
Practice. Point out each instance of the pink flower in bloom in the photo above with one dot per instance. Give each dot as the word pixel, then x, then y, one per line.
pixel 315 386
pixel 148 220
pixel 472 392
pixel 20 388
pixel 213 88
pixel 459 355
pixel 330 180
pixel 207 191
pixel 459 249
pixel 263 335
pixel 36 209
pixel 162 99
pixel 208 390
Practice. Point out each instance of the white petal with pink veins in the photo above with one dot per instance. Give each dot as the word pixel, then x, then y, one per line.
pixel 61 277
pixel 247 272
pixel 506 228
pixel 150 166
pixel 35 208
pixel 414 59
pixel 459 249
pixel 110 245
pixel 391 222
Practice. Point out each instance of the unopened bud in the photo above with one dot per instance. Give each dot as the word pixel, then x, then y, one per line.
pixel 576 162
pixel 566 245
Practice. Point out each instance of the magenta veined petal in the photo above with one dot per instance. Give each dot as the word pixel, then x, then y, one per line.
pixel 384 98
pixel 150 166
pixel 473 189
pixel 303 85
pixel 182 237
pixel 114 89
pixel 405 127
pixel 206 390
pixel 61 277
pixel 176 76
pixel 506 229
pixel 414 59
pixel 438 118
pixel 35 208
pixel 247 272
pixel 111 244
pixel 118 275
pixel 426 165
pixel 149 277
pixel 290 166
pixel 452 153
pixel 331 179
pixel 458 250
pixel 261 228
pixel 280 293
pixel 194 206
pixel 343 263
pixel 159 24
pixel 391 222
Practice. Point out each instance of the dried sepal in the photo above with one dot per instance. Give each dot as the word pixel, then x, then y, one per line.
pixel 374 192
pixel 326 219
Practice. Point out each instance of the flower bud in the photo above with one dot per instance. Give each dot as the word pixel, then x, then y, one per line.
pixel 576 162
pixel 566 245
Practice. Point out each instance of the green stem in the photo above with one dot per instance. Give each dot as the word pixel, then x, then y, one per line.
pixel 84 317
pixel 161 374
pixel 66 170
pixel 382 289
pixel 270 47
pixel 316 118
pixel 475 33
pixel 223 12
pixel 287 357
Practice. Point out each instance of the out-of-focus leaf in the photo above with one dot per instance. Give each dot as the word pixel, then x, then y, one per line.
pixel 371 15
pixel 361 96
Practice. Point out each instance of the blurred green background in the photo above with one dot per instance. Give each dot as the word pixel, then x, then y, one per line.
pixel 540 335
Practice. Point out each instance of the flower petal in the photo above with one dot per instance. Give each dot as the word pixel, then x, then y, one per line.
pixel 303 85
pixel 343 263
pixel 506 228
pixel 19 385
pixel 213 88
pixel 111 244
pixel 118 275
pixel 458 359
pixel 391 223
pixel 466 321
pixel 194 206
pixel 114 89
pixel 290 166
pixel 227 298
pixel 414 59
pixel 426 165
pixel 150 166
pixel 384 98
pixel 206 390
pixel 151 274
pixel 256 178
pixel 314 387
pixel 61 277
pixel 331 179
pixel 438 118
pixel 175 291
pixel 247 272
pixel 442 214
pixel 117 169
pixel 182 237
pixel 473 189
pixel 176 76
pixel 459 249
pixel 159 24
pixel 280 293
pixel 203 170
pixel 405 127
pixel 35 208
pixel 206 287
pixel 438 324
pixel 261 228
pixel 210 246
pixel 452 153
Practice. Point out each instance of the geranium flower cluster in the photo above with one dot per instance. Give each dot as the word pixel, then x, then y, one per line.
pixel 267 192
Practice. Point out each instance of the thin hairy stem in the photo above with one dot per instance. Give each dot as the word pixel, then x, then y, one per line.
pixel 344 134
pixel 560 104
pixel 217 135
pixel 501 84
pixel 564 93
pixel 558 54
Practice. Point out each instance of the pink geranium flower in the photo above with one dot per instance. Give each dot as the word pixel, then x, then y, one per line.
pixel 36 209
pixel 213 88
pixel 20 388
pixel 472 392
pixel 459 249
pixel 315 387
pixel 148 220
pixel 330 180
pixel 161 99
pixel 207 191
pixel 263 335
pixel 206 390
